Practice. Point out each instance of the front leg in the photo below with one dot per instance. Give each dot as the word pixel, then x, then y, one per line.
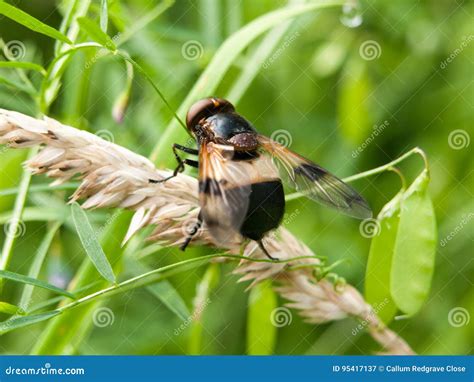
pixel 181 162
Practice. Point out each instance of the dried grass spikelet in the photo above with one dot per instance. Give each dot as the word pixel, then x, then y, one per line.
pixel 112 176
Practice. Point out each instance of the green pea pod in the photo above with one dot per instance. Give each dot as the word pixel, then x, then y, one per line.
pixel 379 264
pixel 415 248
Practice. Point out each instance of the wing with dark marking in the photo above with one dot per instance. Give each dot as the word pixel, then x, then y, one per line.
pixel 315 182
pixel 225 187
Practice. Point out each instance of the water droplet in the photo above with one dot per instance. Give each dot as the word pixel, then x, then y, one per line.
pixel 351 16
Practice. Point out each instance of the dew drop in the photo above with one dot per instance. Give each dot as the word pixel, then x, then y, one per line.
pixel 351 16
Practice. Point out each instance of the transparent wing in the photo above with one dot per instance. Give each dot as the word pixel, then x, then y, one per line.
pixel 315 182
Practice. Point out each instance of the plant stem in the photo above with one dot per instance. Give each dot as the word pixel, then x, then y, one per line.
pixel 386 167
pixel 138 281
pixel 15 221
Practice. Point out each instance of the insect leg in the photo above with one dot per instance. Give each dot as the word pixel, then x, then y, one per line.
pixel 181 162
pixel 185 149
pixel 193 232
pixel 264 250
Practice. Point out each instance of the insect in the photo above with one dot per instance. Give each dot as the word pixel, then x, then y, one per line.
pixel 241 172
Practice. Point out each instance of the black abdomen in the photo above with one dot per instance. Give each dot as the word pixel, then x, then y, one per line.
pixel 266 209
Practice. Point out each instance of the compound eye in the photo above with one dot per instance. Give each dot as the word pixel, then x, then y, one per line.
pixel 205 108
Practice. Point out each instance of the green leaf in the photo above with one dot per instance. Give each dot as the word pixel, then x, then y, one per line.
pixel 20 322
pixel 104 16
pixel 261 332
pixel 23 65
pixel 415 248
pixel 97 34
pixel 379 263
pixel 163 290
pixel 90 243
pixel 30 22
pixel 353 109
pixel 29 280
pixel 7 308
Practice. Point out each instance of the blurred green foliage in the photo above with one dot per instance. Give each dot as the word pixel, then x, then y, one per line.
pixel 328 90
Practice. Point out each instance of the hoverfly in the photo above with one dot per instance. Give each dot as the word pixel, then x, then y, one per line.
pixel 240 176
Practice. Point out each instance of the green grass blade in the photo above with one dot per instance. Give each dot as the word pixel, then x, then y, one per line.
pixel 23 65
pixel 97 34
pixel 30 22
pixel 91 244
pixel 11 309
pixel 261 332
pixel 104 16
pixel 17 85
pixel 415 248
pixel 40 187
pixel 222 61
pixel 32 281
pixel 163 290
pixel 16 217
pixel 36 265
pixel 22 321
